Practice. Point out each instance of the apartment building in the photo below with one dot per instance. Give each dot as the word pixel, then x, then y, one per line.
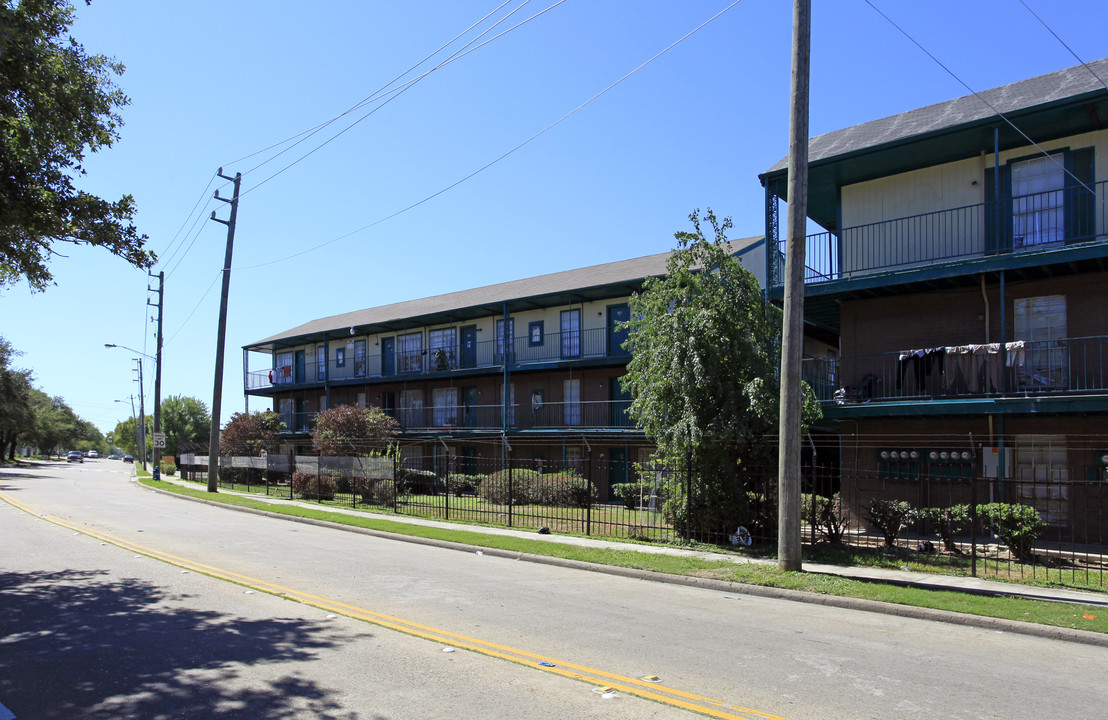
pixel 963 268
pixel 530 366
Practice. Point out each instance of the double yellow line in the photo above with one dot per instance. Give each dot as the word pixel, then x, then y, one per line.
pixel 648 687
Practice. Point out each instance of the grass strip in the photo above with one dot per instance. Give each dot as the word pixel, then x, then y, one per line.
pixel 1082 617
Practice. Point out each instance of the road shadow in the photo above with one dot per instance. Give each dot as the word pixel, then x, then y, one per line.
pixel 82 644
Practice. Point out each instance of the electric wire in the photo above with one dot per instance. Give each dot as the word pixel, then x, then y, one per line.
pixel 218 275
pixel 504 155
pixel 396 93
pixel 177 234
pixel 377 92
pixel 1063 42
pixel 980 97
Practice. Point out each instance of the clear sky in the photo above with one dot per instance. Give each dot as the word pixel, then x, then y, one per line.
pixel 214 82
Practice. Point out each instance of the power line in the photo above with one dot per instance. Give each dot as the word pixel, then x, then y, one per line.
pixel 185 221
pixel 504 155
pixel 980 97
pixel 1067 47
pixel 218 275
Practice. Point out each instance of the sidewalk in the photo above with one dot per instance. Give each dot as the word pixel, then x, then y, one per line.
pixel 900 577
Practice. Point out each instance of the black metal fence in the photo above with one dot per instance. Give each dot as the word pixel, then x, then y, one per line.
pixel 599 498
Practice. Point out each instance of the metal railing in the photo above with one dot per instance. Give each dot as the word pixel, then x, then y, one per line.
pixel 591 415
pixel 1069 365
pixel 523 351
pixel 1026 223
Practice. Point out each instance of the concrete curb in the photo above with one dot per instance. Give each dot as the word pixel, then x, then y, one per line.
pixel 909 611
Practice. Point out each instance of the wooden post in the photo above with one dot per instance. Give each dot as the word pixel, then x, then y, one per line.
pixel 792 345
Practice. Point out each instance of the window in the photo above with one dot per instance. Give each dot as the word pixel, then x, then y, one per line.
pixel 511 402
pixel 340 357
pixel 361 400
pixel 571 407
pixel 411 408
pixel 443 345
pixel 1041 323
pixel 1042 471
pixel 359 359
pixel 573 460
pixel 444 406
pixel 409 353
pixel 500 340
pixel 535 334
pixel 1038 208
pixel 571 333
pixel 282 370
pixel 286 410
pixel 321 363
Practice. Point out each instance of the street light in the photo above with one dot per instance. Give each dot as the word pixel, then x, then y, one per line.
pixel 157 396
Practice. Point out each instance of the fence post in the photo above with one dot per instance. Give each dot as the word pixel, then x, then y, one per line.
pixel 396 480
pixel 688 496
pixel 509 488
pixel 973 525
pixel 588 506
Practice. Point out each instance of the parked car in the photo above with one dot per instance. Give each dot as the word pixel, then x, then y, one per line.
pixel 128 458
pixel 114 456
pixel 75 456
pixel 93 454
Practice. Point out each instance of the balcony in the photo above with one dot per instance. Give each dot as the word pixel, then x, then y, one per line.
pixel 573 416
pixel 1056 368
pixel 524 351
pixel 993 232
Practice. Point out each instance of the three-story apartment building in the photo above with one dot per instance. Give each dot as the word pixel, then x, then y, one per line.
pixel 964 270
pixel 533 365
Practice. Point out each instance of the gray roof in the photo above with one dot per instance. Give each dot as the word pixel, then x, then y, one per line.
pixel 1024 94
pixel 621 277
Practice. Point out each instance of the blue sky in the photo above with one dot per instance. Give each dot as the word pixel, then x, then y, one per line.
pixel 214 82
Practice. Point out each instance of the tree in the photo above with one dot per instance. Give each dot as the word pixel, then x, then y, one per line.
pixel 184 420
pixel 250 433
pixel 125 436
pixel 703 375
pixel 16 417
pixel 56 103
pixel 348 430
pixel 55 423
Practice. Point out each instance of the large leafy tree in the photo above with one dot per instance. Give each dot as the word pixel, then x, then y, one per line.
pixel 703 375
pixel 57 103
pixel 250 433
pixel 346 430
pixel 56 426
pixel 16 416
pixel 126 436
pixel 184 420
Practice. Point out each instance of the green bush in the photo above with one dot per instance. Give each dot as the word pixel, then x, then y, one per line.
pixel 889 517
pixel 376 491
pixel 459 485
pixel 947 523
pixel 420 482
pixel 313 487
pixel 1016 526
pixel 495 488
pixel 827 515
pixel 633 494
pixel 169 469
pixel 530 487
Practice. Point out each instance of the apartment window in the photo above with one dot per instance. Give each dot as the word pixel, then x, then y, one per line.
pixel 1041 323
pixel 500 340
pixel 1038 206
pixel 1042 471
pixel 409 353
pixel 571 333
pixel 444 406
pixel 361 399
pixel 321 363
pixel 443 345
pixel 535 333
pixel 411 408
pixel 359 358
pixel 286 410
pixel 340 357
pixel 511 402
pixel 571 402
pixel 574 460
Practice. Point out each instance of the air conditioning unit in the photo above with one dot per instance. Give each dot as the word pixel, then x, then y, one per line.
pixel 990 462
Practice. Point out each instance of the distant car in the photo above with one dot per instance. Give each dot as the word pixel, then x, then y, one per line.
pixel 113 456
pixel 128 458
pixel 75 456
pixel 93 454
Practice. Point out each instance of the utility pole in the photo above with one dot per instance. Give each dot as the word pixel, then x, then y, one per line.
pixel 158 366
pixel 142 416
pixel 792 345
pixel 221 338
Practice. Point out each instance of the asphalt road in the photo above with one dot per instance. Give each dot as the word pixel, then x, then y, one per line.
pixel 126 603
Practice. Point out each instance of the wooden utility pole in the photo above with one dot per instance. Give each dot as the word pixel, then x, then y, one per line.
pixel 158 368
pixel 221 338
pixel 792 345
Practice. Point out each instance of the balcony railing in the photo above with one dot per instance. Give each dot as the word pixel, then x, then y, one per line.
pixel 524 350
pixel 593 415
pixel 1012 225
pixel 1053 367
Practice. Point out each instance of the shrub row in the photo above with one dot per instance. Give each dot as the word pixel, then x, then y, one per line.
pixel 530 487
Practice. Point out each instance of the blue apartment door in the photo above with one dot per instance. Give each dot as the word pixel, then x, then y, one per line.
pixel 617 314
pixel 618 469
pixel 469 407
pixel 469 346
pixel 619 404
pixel 388 356
pixel 299 369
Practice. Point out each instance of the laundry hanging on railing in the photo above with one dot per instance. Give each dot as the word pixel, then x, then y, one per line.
pixel 978 365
